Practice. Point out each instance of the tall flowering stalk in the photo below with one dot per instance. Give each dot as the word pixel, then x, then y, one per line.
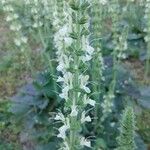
pixel 74 51
pixel 147 37
pixel 120 46
pixel 20 40
pixel 34 10
pixel 39 16
pixel 97 61
pixel 127 131
pixel 13 18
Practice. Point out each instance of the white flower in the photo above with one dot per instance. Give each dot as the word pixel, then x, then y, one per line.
pixel 8 8
pixel 103 2
pixel 64 31
pixel 62 130
pixel 27 2
pixel 15 16
pixel 83 83
pixel 9 18
pixel 74 111
pixel 60 116
pixel 16 27
pixel 108 103
pixel 112 124
pixel 86 58
pixel 60 79
pixel 68 41
pixel 63 62
pixel 24 39
pixel 85 118
pixel 34 10
pixel 85 142
pixel 60 67
pixel 35 25
pixel 87 100
pixel 3 1
pixel 87 49
pixel 67 79
pixel 64 94
pixel 17 42
pixel 62 37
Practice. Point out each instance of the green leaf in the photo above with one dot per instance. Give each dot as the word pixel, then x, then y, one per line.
pixel 49 146
pixel 144 100
pixel 100 143
pixel 140 143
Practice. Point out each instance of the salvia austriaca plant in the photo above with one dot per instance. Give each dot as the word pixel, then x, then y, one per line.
pixel 20 40
pixel 127 130
pixel 97 66
pixel 119 39
pixel 39 14
pixel 147 37
pixel 74 53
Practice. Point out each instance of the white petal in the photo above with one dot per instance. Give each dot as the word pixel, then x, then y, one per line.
pixel 91 102
pixel 84 118
pixel 74 111
pixel 85 142
pixel 60 79
pixel 87 90
pixel 60 116
pixel 88 119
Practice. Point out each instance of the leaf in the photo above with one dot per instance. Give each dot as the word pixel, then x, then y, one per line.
pixel 144 100
pixel 43 78
pixel 140 143
pixel 50 146
pixel 133 91
pixel 100 143
pixel 29 89
pixel 134 36
pixel 27 100
pixel 6 63
pixel 108 60
pixel 143 56
pixel 18 109
pixel 44 84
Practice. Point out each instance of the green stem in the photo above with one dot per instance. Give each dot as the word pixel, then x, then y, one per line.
pixel 96 87
pixel 76 81
pixel 147 65
pixel 48 58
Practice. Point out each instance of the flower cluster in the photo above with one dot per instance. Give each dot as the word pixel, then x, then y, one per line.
pixel 119 52
pixel 103 2
pixel 96 35
pixel 147 37
pixel 35 7
pixel 38 12
pixel 98 67
pixel 122 44
pixel 15 25
pixel 107 104
pixel 147 16
pixel 20 39
pixel 73 52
